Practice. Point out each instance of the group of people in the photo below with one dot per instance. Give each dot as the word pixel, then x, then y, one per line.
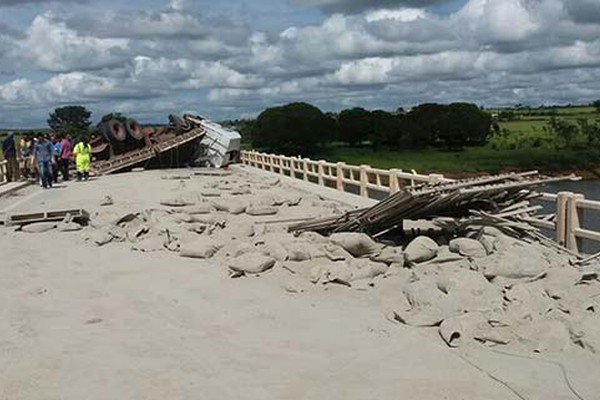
pixel 43 157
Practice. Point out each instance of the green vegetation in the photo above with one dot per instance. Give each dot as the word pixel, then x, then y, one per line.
pixel 300 128
pixel 294 128
pixel 471 160
pixel 452 139
pixel 73 120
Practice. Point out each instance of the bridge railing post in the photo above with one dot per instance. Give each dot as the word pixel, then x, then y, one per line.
pixel 305 169
pixel 364 180
pixel 3 174
pixel 561 217
pixel 339 175
pixel 321 172
pixel 282 161
pixel 574 222
pixel 394 183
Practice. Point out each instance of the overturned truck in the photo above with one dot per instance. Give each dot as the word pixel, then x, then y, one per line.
pixel 184 141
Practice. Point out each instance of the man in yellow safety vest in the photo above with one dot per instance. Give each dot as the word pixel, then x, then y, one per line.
pixel 83 158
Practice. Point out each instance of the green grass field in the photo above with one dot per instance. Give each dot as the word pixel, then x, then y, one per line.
pixel 530 123
pixel 471 160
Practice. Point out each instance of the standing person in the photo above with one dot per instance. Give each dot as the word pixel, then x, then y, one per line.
pixel 24 155
pixel 10 155
pixel 43 158
pixel 55 156
pixel 33 170
pixel 65 156
pixel 83 158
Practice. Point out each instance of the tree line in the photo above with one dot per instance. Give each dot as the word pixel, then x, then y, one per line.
pixel 301 128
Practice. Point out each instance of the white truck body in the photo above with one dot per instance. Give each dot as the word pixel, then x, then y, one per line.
pixel 220 146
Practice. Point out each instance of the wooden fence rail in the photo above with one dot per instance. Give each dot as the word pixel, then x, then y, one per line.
pixel 567 226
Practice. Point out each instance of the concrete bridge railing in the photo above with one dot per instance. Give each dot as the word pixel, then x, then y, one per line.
pixel 3 172
pixel 338 175
pixel 566 228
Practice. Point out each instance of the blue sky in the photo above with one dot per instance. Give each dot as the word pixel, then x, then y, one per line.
pixel 232 59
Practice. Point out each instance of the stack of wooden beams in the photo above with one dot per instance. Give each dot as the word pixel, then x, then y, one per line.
pixel 495 197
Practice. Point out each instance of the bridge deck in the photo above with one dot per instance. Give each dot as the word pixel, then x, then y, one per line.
pixel 107 322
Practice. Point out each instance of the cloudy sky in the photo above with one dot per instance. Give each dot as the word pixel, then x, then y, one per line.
pixel 233 58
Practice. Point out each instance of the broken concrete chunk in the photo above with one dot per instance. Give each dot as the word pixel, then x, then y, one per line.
pixel 336 253
pixel 312 237
pixel 468 248
pixel 389 255
pixel 421 249
pixel 39 227
pixel 275 250
pixel 210 193
pixel 260 211
pixel 101 238
pixel 489 243
pixel 251 263
pixel 357 244
pixel 107 201
pixel 586 333
pixel 204 248
pixel 68 227
pixel 241 191
pixel 203 208
pixel 292 287
pixel 176 202
pixel 364 269
pixel 515 260
pixel 298 251
pixel 455 331
pixel 231 207
pixel 331 272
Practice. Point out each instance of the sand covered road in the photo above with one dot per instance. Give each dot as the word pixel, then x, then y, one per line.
pixel 80 321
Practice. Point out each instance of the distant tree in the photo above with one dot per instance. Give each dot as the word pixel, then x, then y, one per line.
pixel 113 115
pixel 74 120
pixel 296 128
pixel 463 124
pixel 424 123
pixel 355 126
pixel 596 104
pixel 386 129
pixel 452 126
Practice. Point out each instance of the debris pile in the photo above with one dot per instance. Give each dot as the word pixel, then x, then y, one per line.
pixel 486 282
pixel 496 194
pixel 497 290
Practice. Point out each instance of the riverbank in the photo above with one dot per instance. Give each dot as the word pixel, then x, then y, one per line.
pixel 473 161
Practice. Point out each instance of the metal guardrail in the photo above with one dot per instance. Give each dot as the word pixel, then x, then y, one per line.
pixel 567 226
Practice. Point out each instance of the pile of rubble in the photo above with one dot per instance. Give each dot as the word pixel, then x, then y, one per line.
pixel 480 286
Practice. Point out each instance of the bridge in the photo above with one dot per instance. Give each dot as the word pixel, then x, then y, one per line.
pixel 368 182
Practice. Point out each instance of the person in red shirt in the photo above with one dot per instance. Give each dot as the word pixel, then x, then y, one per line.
pixel 65 156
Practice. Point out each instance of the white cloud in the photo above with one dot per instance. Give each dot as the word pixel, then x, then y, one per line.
pixel 188 74
pixel 400 15
pixel 377 54
pixel 54 47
